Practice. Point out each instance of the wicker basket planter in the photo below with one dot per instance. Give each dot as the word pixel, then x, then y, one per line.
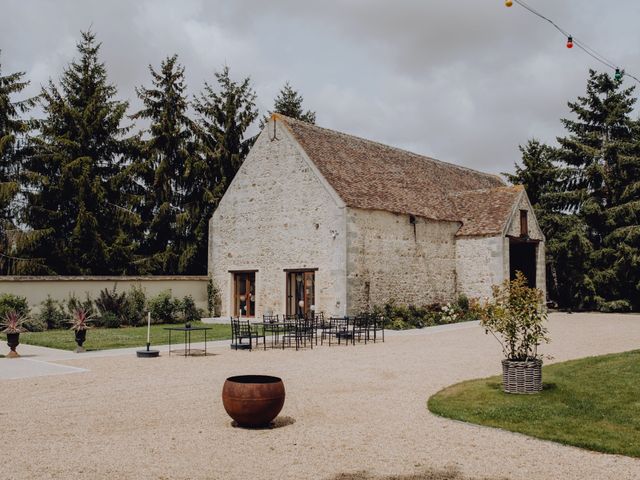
pixel 522 376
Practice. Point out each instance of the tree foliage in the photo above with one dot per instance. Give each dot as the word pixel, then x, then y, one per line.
pixel 73 172
pixel 14 132
pixel 289 102
pixel 586 193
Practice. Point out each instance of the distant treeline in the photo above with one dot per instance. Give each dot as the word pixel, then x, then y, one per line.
pixel 81 193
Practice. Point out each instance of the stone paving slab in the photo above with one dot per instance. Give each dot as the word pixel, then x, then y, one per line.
pixel 14 368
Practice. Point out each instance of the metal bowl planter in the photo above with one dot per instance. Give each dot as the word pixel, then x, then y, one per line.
pixel 520 376
pixel 253 400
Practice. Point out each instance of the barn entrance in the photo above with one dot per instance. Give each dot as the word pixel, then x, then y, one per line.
pixel 522 257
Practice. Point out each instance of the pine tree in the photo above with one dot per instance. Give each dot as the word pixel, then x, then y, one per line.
pixel 602 186
pixel 74 173
pixel 168 163
pixel 224 116
pixel 567 248
pixel 289 103
pixel 13 134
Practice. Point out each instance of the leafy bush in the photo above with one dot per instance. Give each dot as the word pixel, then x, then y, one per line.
pixel 164 308
pixel 110 320
pixel 74 304
pixel 34 324
pixel 52 313
pixel 109 301
pixel 516 318
pixel 401 317
pixel 189 311
pixel 214 302
pixel 10 302
pixel 136 306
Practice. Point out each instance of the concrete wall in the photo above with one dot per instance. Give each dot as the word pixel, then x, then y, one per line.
pixel 389 258
pixel 279 213
pixel 36 289
pixel 480 264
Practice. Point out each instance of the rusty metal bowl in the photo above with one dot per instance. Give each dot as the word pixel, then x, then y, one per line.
pixel 253 400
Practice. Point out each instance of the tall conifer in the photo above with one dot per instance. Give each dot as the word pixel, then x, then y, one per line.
pixel 73 172
pixel 602 185
pixel 168 155
pixel 14 242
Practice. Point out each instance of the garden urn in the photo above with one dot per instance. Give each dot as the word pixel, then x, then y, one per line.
pixel 253 400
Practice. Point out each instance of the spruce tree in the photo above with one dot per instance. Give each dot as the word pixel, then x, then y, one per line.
pixel 73 174
pixel 167 165
pixel 289 103
pixel 225 113
pixel 14 242
pixel 567 247
pixel 602 163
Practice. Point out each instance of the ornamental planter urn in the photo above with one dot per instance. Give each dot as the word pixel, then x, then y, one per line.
pixel 522 376
pixel 13 340
pixel 81 336
pixel 253 400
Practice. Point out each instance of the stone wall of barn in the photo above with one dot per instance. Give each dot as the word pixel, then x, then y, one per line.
pixel 484 261
pixel 480 264
pixel 389 258
pixel 277 214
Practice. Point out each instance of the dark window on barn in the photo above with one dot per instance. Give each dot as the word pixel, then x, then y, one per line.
pixel 524 224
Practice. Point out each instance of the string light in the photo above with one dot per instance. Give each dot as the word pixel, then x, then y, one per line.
pixel 619 73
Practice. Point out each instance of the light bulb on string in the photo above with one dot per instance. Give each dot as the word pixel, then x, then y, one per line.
pixel 508 3
pixel 569 41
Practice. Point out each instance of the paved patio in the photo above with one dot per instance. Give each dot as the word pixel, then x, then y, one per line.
pixel 348 409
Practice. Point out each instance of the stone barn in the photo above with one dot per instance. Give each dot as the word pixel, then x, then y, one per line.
pixel 318 219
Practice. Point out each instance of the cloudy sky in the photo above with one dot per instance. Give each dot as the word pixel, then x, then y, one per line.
pixel 464 81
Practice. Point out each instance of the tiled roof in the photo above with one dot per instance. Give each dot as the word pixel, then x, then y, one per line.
pixel 484 212
pixel 370 175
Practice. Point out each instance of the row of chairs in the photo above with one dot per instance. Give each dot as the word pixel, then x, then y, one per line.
pixel 304 332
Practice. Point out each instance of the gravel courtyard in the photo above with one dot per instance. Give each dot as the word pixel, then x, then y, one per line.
pixel 348 410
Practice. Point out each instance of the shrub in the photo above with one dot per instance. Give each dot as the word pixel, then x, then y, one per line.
pixel 74 305
pixel 136 306
pixel 189 311
pixel 109 301
pixel 516 318
pixel 52 313
pixel 110 320
pixel 214 302
pixel 34 324
pixel 10 302
pixel 164 308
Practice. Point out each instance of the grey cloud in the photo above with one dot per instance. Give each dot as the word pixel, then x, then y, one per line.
pixel 464 81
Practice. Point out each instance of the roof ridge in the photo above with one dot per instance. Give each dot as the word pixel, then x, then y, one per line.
pixel 516 188
pixel 383 145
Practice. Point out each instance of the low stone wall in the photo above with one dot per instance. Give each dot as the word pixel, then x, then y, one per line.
pixel 36 289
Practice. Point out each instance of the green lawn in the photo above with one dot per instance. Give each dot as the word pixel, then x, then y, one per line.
pixel 105 338
pixel 592 403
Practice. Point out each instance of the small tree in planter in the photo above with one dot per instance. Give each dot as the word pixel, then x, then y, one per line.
pixel 516 318
pixel 80 324
pixel 12 323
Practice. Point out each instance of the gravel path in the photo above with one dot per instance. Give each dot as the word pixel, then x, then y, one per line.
pixel 348 409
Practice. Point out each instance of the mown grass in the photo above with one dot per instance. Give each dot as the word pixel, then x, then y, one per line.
pixel 592 403
pixel 105 338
